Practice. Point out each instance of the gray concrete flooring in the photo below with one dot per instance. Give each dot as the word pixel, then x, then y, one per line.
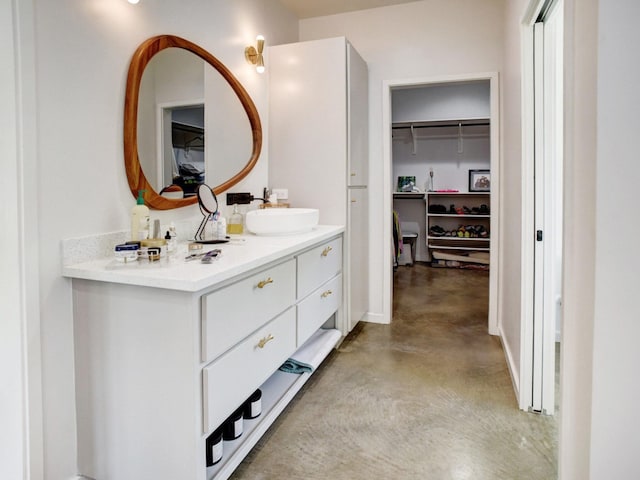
pixel 427 397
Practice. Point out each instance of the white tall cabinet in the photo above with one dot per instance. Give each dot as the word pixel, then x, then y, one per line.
pixel 318 145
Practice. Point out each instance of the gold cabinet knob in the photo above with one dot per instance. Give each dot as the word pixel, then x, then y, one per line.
pixel 263 283
pixel 326 251
pixel 326 293
pixel 265 340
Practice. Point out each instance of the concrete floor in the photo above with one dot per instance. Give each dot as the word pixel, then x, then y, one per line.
pixel 428 397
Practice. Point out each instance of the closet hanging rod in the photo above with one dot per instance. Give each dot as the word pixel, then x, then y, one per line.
pixel 446 125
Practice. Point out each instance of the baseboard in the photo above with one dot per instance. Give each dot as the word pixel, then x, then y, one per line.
pixel 515 375
pixel 374 318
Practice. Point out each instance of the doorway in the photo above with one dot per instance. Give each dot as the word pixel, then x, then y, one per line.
pixel 389 187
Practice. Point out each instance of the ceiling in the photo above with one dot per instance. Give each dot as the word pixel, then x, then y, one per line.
pixel 320 8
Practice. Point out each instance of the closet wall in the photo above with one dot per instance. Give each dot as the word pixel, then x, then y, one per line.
pixel 441 128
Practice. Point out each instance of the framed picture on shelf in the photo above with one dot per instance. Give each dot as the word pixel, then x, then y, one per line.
pixel 479 180
pixel 406 184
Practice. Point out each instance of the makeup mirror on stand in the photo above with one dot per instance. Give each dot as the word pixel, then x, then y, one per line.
pixel 209 207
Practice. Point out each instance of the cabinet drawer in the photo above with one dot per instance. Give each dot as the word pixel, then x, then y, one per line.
pixel 232 378
pixel 233 312
pixel 319 265
pixel 314 310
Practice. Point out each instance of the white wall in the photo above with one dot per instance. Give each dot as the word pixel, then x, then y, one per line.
pixel 83 49
pixel 424 39
pixel 581 32
pixel 615 424
pixel 13 437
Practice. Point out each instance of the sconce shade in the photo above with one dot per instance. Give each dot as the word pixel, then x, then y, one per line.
pixel 254 54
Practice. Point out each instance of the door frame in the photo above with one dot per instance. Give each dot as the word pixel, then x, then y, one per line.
pixel 20 336
pixel 387 188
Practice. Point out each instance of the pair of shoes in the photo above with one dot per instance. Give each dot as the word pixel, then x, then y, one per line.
pixel 436 231
pixel 452 209
pixel 483 210
pixel 481 231
pixel 437 208
pixel 463 232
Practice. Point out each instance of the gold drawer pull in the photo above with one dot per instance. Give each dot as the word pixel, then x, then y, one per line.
pixel 326 251
pixel 263 283
pixel 265 340
pixel 353 174
pixel 326 294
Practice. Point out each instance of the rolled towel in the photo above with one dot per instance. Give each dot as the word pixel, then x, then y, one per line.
pixel 310 355
pixel 292 365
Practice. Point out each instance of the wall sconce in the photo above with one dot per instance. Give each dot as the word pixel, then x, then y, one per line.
pixel 133 2
pixel 254 54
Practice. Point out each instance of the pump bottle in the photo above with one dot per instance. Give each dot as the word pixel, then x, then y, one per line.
pixel 140 219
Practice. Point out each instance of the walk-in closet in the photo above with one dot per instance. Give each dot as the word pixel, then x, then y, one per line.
pixel 442 176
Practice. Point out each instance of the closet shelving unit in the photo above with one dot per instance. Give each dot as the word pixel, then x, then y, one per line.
pixel 453 221
pixel 459 129
pixel 414 130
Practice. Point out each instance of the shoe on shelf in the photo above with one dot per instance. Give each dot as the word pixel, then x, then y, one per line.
pixel 483 210
pixel 452 209
pixel 482 232
pixel 436 208
pixel 436 231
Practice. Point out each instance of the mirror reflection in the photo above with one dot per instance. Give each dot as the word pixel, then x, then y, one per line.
pixel 174 125
pixel 183 157
pixel 188 121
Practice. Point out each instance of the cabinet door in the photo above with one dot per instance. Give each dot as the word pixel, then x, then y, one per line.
pixel 358 115
pixel 308 125
pixel 358 256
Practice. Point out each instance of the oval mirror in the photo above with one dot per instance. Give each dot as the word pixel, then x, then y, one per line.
pixel 185 123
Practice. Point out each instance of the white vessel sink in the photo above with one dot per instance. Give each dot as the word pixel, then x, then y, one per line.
pixel 282 221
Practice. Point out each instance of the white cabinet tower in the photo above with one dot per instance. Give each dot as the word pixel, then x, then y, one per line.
pixel 318 145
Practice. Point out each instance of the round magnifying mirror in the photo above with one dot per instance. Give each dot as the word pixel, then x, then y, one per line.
pixel 207 199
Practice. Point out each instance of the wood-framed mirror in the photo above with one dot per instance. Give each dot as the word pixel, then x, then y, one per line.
pixel 154 182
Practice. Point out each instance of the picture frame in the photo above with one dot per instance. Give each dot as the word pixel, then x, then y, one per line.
pixel 406 183
pixel 479 180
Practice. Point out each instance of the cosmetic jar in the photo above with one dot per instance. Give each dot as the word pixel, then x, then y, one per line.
pixel 214 447
pixel 125 252
pixel 233 426
pixel 156 248
pixel 253 405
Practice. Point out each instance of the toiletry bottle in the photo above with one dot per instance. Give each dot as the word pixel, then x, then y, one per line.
pixel 211 231
pixel 171 243
pixel 222 228
pixel 234 226
pixel 140 219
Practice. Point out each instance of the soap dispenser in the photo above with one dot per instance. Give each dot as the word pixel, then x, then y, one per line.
pixel 234 225
pixel 140 219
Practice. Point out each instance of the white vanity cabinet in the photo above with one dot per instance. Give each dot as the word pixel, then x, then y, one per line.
pixel 159 369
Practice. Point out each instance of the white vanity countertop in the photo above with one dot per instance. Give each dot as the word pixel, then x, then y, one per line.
pixel 241 254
